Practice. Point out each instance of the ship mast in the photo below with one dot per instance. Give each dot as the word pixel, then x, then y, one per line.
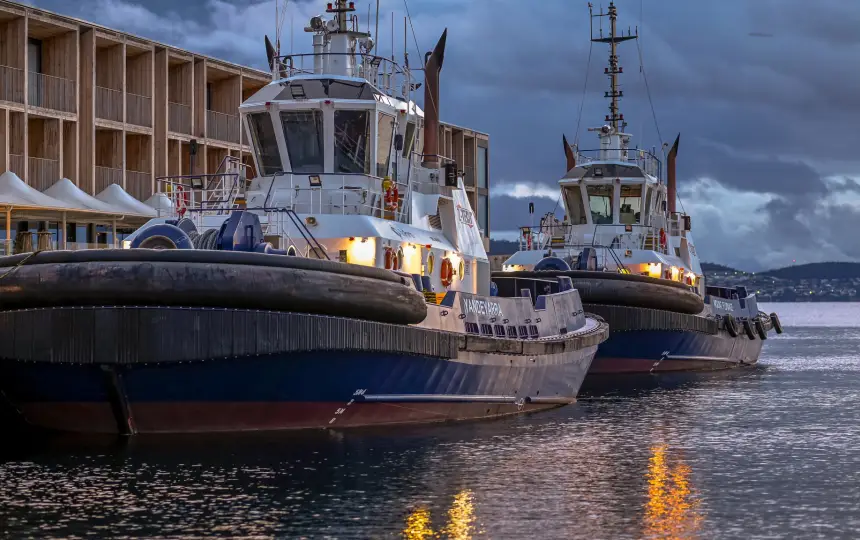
pixel 614 38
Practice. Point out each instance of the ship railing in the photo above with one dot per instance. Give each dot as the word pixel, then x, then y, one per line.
pixel 616 236
pixel 196 196
pixel 337 193
pixel 645 159
pixel 281 221
pixel 384 73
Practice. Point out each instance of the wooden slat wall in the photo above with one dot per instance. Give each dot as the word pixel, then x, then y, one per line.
pixel 161 153
pixel 226 95
pixel 198 116
pixel 69 165
pixel 137 152
pixel 214 156
pixel 44 138
pixel 17 133
pixel 4 140
pixel 109 144
pixel 174 167
pixel 109 63
pixel 60 56
pixel 86 111
pixel 13 43
pixel 139 74
pixel 180 87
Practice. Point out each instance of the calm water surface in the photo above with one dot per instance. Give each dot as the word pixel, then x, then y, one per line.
pixel 771 452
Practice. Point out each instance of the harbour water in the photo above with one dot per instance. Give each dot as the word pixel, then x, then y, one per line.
pixel 769 452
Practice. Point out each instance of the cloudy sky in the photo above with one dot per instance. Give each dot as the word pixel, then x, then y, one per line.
pixel 766 95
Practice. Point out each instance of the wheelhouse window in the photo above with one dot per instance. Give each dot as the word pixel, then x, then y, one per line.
pixel 351 131
pixel 303 131
pixel 631 203
pixel 326 88
pixel 265 143
pixel 647 209
pixel 600 203
pixel 573 202
pixel 384 135
pixel 409 139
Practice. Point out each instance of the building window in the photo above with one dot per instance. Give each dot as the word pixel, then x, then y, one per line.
pixel 265 143
pixel 209 96
pixel 303 131
pixel 384 135
pixel 351 131
pixel 482 171
pixel 34 55
pixel 483 214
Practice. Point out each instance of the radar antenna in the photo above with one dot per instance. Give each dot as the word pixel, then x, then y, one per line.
pixel 614 38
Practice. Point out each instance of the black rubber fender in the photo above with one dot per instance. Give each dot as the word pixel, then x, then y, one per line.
pixel 195 278
pixel 759 328
pixel 611 288
pixel 777 325
pixel 748 329
pixel 731 325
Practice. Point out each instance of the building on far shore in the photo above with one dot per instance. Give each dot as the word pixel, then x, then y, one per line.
pixel 101 107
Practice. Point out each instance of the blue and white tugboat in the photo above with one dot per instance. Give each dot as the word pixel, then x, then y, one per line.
pixel 632 257
pixel 346 285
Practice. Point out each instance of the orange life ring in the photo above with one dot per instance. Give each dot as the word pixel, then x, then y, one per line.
pixel 389 259
pixel 446 272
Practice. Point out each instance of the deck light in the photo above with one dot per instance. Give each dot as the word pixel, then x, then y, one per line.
pixel 315 181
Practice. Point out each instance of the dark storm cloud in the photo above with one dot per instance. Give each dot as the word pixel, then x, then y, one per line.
pixel 774 116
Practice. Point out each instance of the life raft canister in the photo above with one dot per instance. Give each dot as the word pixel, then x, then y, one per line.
pixel 391 195
pixel 446 272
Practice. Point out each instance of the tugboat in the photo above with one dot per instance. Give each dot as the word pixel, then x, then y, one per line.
pixel 632 257
pixel 346 285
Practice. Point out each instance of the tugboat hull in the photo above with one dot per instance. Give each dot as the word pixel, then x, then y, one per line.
pixel 651 341
pixel 652 351
pixel 250 372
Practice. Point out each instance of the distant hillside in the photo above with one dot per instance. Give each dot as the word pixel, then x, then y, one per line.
pixel 712 268
pixel 827 270
pixel 503 247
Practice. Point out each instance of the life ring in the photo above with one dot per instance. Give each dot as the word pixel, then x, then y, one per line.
pixel 662 238
pixel 446 272
pixel 731 325
pixel 389 259
pixel 774 319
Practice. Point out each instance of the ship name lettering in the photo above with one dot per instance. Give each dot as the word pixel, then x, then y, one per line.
pixel 727 306
pixel 482 307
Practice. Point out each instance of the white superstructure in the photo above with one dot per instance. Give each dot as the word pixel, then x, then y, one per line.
pixel 335 139
pixel 618 205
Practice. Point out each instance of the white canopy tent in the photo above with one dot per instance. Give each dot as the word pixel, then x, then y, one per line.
pixel 62 202
pixel 117 197
pixel 162 204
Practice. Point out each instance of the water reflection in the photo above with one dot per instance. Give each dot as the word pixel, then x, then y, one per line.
pixel 672 508
pixel 460 525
